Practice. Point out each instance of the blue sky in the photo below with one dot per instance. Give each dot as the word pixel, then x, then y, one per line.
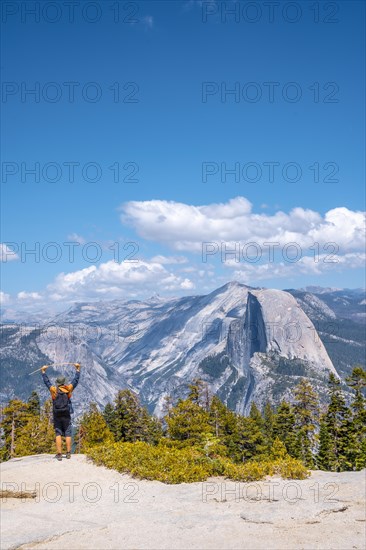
pixel 176 134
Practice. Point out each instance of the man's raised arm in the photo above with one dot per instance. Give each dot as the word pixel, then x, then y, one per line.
pixel 45 377
pixel 75 381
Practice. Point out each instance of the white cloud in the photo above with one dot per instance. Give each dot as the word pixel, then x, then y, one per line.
pixel 189 269
pixel 7 254
pixel 187 284
pixel 252 272
pixel 28 296
pixel 4 298
pixel 185 227
pixel 112 280
pixel 74 237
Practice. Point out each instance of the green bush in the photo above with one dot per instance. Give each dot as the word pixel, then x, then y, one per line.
pixel 247 471
pixel 161 462
pixel 169 463
pixel 288 468
pixel 254 470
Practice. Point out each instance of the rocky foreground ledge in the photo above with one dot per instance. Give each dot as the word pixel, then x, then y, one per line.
pixel 79 505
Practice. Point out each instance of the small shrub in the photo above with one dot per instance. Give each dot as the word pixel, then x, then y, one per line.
pixel 248 471
pixel 288 468
pixel 169 463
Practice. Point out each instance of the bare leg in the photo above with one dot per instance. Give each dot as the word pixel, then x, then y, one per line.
pixel 68 444
pixel 58 444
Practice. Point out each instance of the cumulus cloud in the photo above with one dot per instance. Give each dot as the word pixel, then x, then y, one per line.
pixel 186 284
pixel 7 254
pixel 112 280
pixel 185 227
pixel 4 298
pixel 232 225
pixel 137 279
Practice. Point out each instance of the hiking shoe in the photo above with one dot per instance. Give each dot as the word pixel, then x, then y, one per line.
pixel 58 456
pixel 68 455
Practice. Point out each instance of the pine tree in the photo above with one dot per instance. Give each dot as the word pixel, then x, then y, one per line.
pixel 199 394
pixel 357 379
pixel 249 438
pixel 34 404
pixel 154 428
pixel 167 405
pixel 306 414
pixel 130 419
pixel 46 429
pixel 357 435
pixel 37 435
pixel 324 451
pixel 26 430
pixel 284 428
pixel 92 429
pixel 188 421
pixel 109 415
pixel 223 423
pixel 278 449
pixel 336 431
pixel 16 415
pixel 256 415
pixel 268 421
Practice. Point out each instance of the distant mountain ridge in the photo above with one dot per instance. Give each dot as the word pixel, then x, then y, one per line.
pixel 249 344
pixel 340 319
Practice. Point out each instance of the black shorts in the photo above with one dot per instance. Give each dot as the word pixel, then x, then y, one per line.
pixel 62 425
